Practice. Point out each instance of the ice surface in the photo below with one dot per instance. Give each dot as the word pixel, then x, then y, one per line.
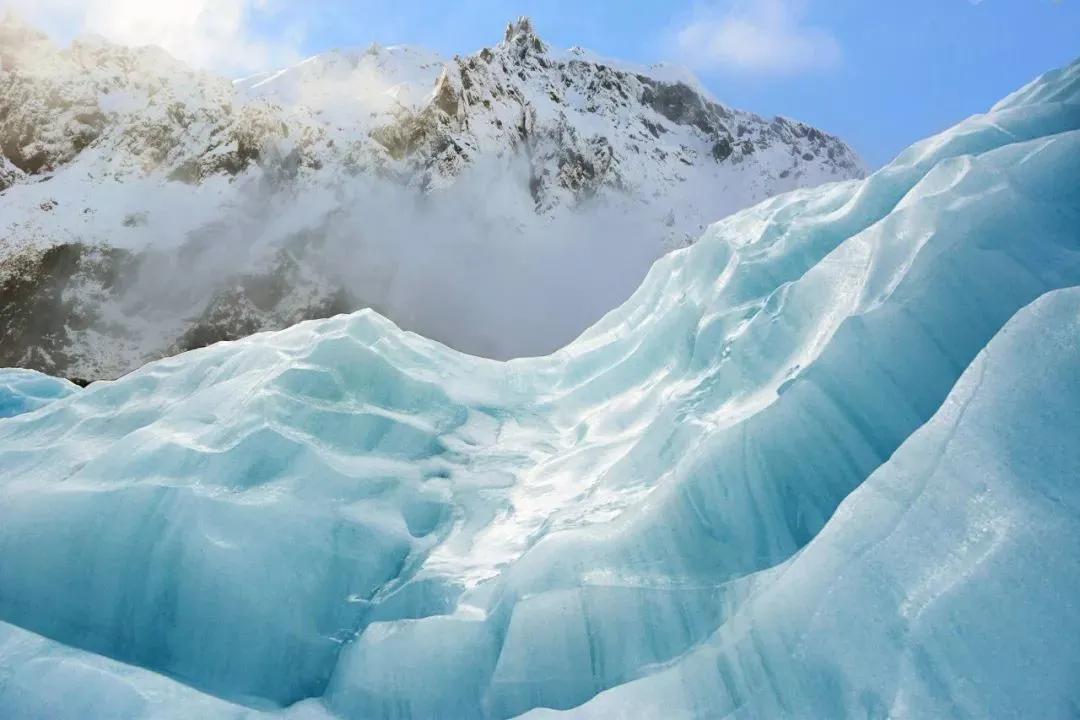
pixel 944 586
pixel 25 390
pixel 342 519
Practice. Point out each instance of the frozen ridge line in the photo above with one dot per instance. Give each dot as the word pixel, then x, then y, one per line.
pixel 821 464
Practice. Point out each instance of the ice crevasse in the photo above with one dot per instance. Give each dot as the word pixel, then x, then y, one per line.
pixel 823 463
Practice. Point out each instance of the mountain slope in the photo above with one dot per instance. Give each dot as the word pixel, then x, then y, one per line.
pixel 489 187
pixel 346 520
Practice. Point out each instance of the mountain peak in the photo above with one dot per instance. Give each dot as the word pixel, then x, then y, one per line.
pixel 520 33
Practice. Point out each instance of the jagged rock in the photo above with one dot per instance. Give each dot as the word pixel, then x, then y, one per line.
pixel 446 96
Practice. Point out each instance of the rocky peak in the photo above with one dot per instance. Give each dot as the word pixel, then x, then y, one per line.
pixel 521 37
pixel 586 126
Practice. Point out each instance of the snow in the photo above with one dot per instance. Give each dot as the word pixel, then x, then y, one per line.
pixel 348 87
pixel 662 71
pixel 821 464
pixel 548 174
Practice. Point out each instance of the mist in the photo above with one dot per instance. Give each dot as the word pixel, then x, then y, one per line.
pixel 472 265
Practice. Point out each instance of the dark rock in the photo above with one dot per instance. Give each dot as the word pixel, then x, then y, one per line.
pixel 722 149
pixel 36 314
pixel 680 104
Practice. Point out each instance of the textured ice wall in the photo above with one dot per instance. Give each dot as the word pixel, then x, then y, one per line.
pixel 944 586
pixel 362 521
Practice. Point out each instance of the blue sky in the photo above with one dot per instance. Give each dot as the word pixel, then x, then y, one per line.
pixel 879 73
pixel 896 71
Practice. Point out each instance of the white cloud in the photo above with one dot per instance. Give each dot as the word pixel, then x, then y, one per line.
pixel 764 36
pixel 213 34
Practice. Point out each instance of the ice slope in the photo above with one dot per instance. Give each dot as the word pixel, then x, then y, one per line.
pixel 944 586
pixel 344 519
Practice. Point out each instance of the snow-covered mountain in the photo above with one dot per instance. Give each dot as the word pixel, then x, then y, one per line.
pixel 822 464
pixel 148 208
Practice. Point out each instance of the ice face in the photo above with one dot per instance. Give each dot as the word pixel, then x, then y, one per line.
pixel 345 519
pixel 944 586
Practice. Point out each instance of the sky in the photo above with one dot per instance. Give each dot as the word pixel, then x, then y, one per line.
pixel 881 74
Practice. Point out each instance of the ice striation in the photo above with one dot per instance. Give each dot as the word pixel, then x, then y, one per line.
pixel 821 464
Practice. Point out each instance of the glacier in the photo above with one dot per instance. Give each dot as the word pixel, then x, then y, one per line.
pixel 823 463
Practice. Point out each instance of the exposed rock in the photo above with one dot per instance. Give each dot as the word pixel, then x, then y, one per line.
pixel 46 295
pixel 570 127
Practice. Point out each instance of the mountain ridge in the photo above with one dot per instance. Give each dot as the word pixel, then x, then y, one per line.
pixel 119 159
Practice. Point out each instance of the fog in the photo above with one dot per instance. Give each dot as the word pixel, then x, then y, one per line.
pixel 472 264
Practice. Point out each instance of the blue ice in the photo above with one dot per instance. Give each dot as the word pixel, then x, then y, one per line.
pixel 823 463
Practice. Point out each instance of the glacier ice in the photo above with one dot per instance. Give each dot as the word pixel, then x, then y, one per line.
pixel 945 586
pixel 25 390
pixel 821 464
